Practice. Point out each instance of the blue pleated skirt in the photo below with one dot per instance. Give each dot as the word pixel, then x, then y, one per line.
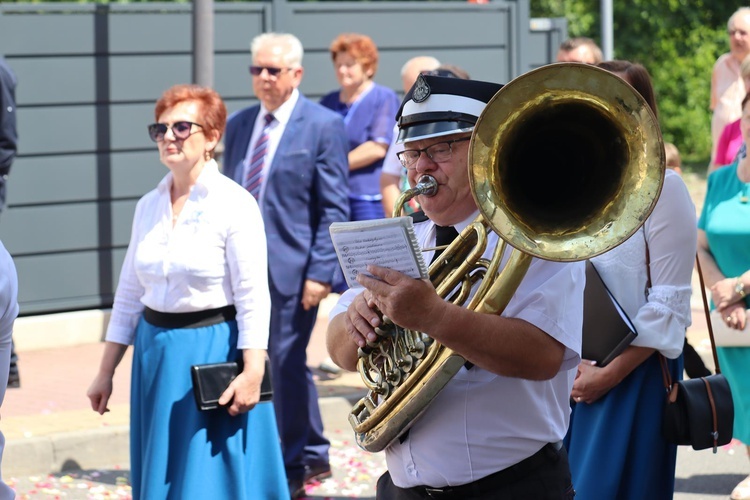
pixel 178 452
pixel 615 446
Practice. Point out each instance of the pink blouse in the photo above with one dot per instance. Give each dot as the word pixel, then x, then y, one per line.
pixel 727 92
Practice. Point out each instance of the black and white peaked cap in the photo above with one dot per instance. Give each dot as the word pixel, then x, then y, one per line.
pixel 437 106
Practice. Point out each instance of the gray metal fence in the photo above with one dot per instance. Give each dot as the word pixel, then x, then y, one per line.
pixel 89 75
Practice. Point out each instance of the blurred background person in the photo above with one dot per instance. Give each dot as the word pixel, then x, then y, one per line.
pixel 8 313
pixel 730 141
pixel 614 441
pixel 391 184
pixel 724 253
pixel 194 290
pixel 291 153
pixel 8 150
pixel 673 158
pixel 393 178
pixel 579 49
pixel 369 112
pixel 727 85
pixel 694 366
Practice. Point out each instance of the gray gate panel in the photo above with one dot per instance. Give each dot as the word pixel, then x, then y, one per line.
pixel 233 30
pixel 65 228
pixel 145 77
pixel 90 74
pixel 65 281
pixel 71 178
pixel 55 80
pixel 150 32
pixel 65 129
pixel 48 31
pixel 122 222
pixel 128 124
pixel 233 75
pixel 52 179
pixel 450 25
pixel 235 105
pixel 136 173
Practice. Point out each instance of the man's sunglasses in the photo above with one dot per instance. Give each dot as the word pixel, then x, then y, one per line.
pixel 180 130
pixel 257 70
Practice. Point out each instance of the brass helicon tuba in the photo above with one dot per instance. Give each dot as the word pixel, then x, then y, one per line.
pixel 565 163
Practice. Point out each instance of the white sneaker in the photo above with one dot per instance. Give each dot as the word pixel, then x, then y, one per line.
pixel 742 490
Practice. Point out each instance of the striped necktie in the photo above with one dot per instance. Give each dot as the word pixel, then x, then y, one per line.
pixel 254 175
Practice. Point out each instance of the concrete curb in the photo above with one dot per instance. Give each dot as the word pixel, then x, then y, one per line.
pixel 109 446
pixel 67 450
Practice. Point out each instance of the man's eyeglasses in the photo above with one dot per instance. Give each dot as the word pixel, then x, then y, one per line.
pixel 440 152
pixel 257 70
pixel 742 33
pixel 180 130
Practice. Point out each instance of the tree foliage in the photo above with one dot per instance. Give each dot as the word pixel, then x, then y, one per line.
pixel 678 41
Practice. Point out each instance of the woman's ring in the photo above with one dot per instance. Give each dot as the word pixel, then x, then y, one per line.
pixel 578 400
pixel 729 318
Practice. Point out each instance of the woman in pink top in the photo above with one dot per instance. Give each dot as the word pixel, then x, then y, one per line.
pixel 727 86
pixel 730 140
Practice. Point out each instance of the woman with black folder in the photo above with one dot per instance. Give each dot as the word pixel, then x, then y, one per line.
pixel 193 290
pixel 614 441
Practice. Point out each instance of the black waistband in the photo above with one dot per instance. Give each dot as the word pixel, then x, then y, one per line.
pixel 195 319
pixel 548 453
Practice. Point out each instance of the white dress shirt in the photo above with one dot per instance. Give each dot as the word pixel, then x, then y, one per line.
pixel 276 130
pixel 214 256
pixel 8 313
pixel 481 423
pixel 671 231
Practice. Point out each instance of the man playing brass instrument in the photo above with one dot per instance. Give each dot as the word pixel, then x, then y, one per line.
pixel 495 430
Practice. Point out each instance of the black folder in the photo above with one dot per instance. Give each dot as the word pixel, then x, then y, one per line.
pixel 607 330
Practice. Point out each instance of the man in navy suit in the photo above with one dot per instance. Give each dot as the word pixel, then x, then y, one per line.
pixel 291 154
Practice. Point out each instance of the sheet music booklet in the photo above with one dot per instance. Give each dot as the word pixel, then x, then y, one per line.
pixel 607 329
pixel 387 243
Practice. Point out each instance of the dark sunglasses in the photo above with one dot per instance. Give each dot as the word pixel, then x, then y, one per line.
pixel 180 130
pixel 257 70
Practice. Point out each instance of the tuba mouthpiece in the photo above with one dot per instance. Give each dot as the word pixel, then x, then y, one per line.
pixel 426 186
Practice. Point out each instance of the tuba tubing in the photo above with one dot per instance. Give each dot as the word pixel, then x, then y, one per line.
pixel 565 163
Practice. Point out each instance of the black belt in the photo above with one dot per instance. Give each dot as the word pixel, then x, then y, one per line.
pixel 195 319
pixel 549 453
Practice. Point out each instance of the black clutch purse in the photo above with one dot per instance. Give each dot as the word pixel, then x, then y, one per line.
pixel 211 380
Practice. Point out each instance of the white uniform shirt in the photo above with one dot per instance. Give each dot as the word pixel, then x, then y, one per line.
pixel 281 115
pixel 671 231
pixel 482 422
pixel 213 257
pixel 8 313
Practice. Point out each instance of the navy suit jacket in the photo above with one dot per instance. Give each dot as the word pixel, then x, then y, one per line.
pixel 306 189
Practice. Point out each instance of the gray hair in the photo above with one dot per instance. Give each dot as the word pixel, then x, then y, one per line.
pixel 293 53
pixel 425 63
pixel 742 11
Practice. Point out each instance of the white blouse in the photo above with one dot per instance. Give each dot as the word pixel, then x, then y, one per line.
pixel 662 318
pixel 213 257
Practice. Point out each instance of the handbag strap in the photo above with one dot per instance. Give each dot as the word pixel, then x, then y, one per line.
pixel 665 371
pixel 708 315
